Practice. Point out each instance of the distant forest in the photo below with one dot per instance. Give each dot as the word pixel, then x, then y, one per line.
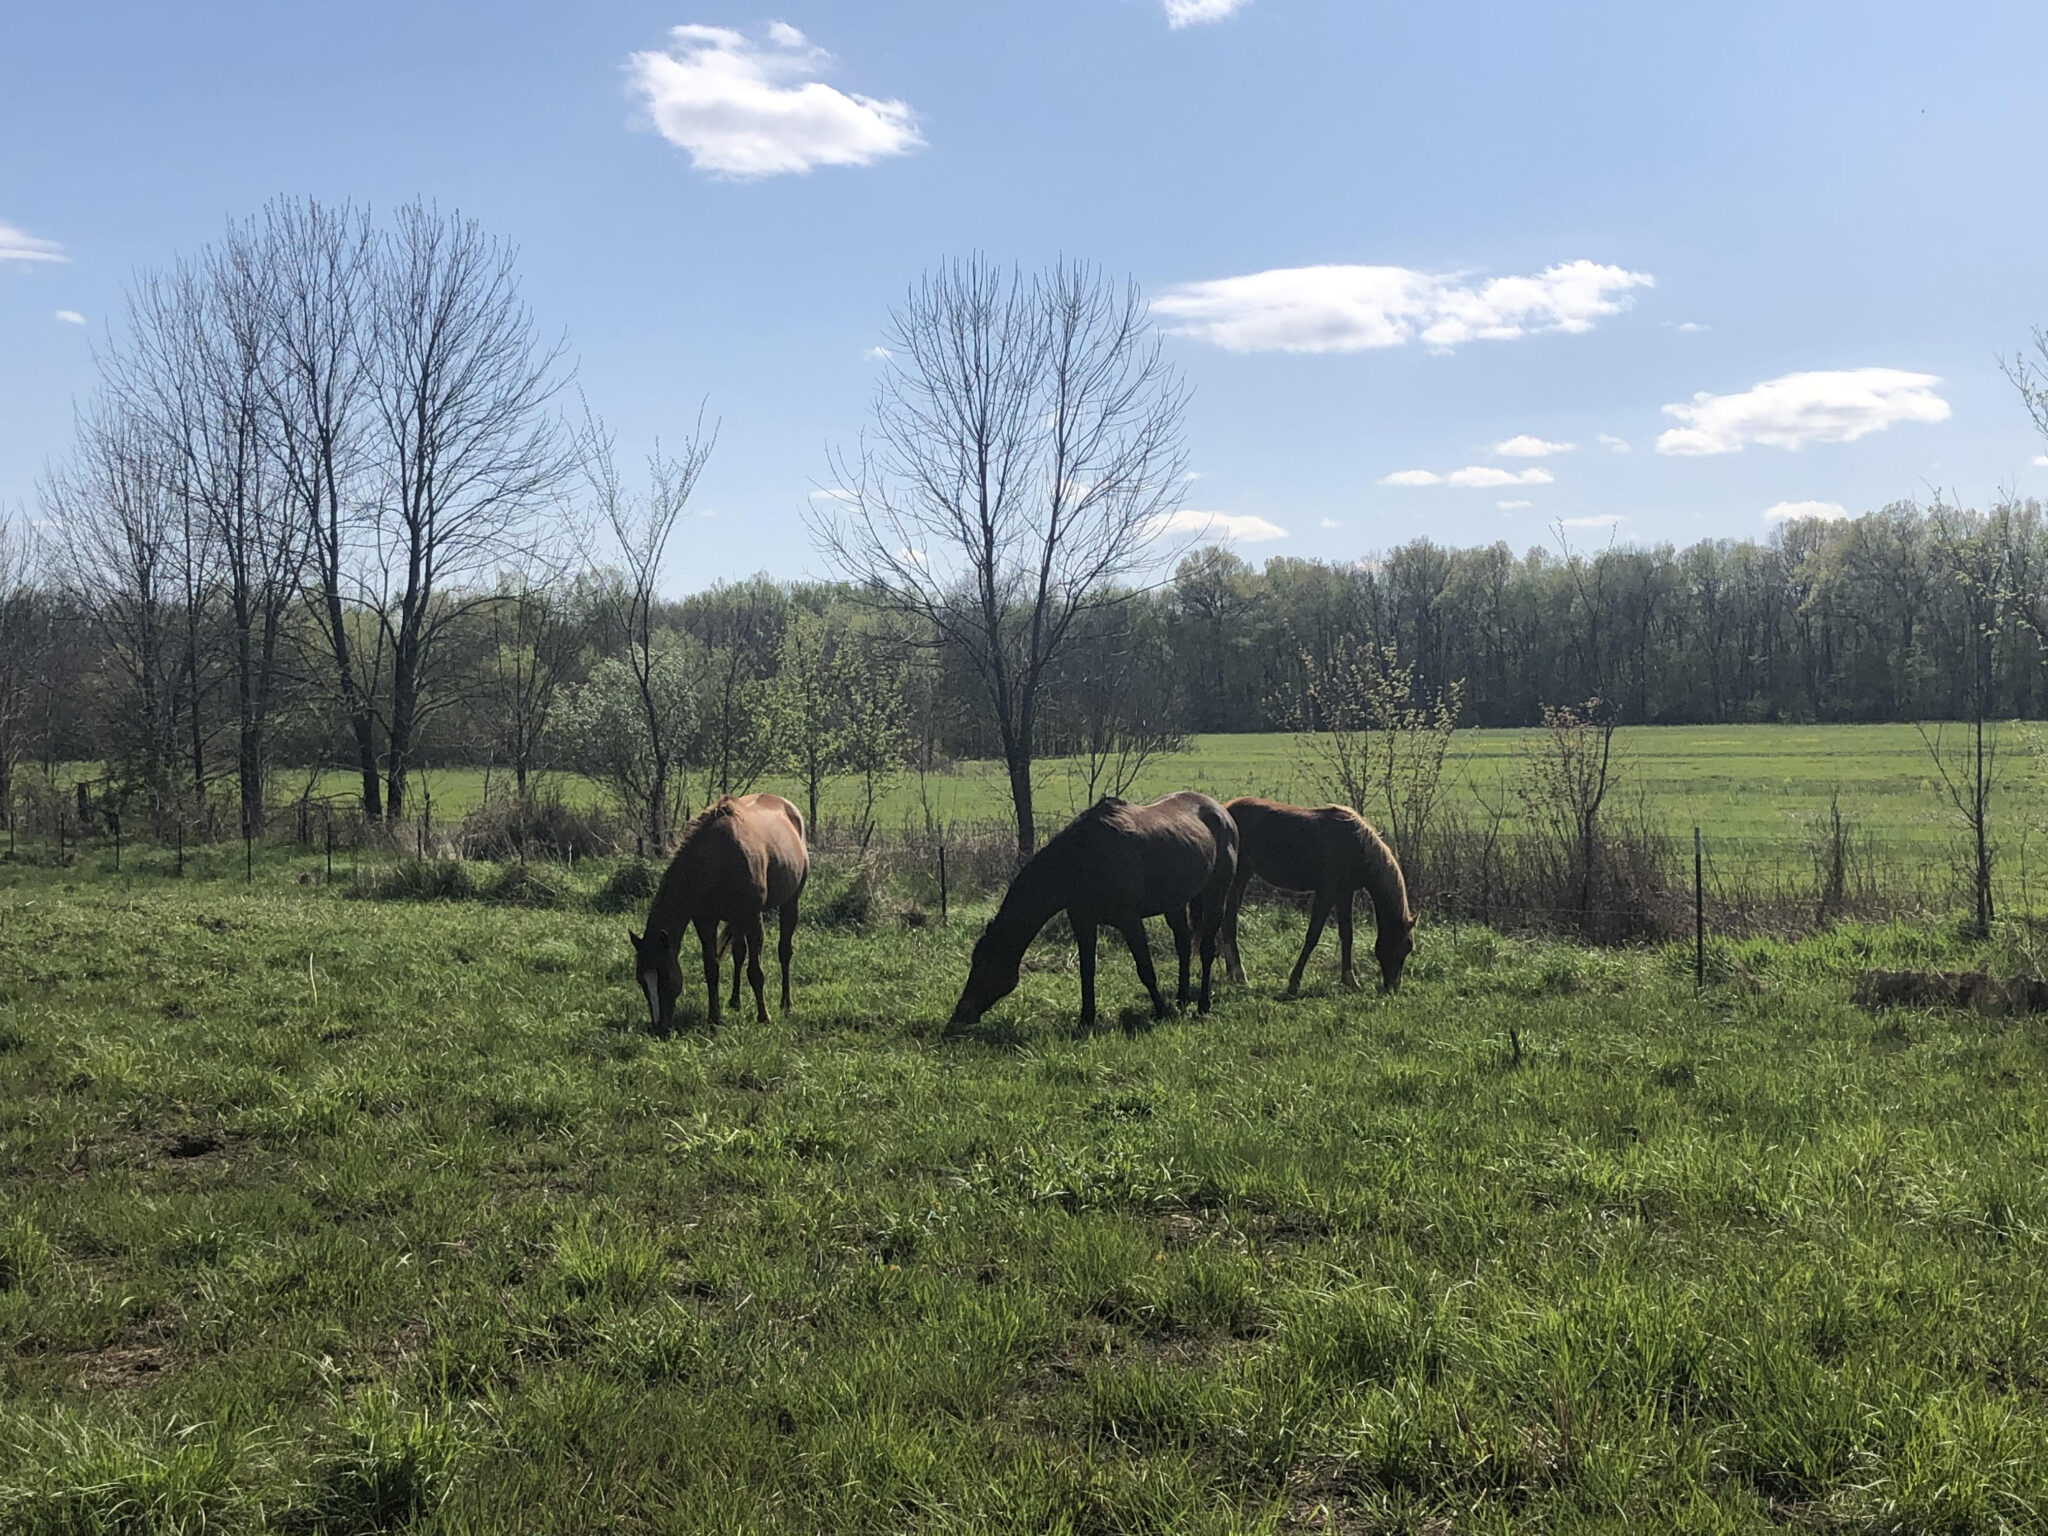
pixel 1869 619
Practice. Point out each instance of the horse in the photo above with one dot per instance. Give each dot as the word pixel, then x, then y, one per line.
pixel 737 859
pixel 1332 851
pixel 1118 864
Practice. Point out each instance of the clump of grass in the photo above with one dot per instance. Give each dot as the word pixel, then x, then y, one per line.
pixel 66 1474
pixel 24 1254
pixel 387 1466
pixel 420 880
pixel 529 885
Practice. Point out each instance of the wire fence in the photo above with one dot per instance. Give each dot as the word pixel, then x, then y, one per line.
pixel 1641 883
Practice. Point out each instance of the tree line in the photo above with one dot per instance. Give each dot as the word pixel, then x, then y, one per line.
pixel 329 509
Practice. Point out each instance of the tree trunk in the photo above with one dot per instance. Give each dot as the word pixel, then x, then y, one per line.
pixel 1018 758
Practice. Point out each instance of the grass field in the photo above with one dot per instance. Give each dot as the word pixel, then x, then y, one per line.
pixel 1750 787
pixel 333 1214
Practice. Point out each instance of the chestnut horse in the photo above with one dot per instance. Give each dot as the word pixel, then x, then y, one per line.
pixel 1332 851
pixel 735 861
pixel 1118 864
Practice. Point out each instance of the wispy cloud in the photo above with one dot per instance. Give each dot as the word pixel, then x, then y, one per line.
pixel 2041 461
pixel 1527 447
pixel 1231 527
pixel 745 109
pixel 1611 443
pixel 1355 309
pixel 1481 475
pixel 1605 520
pixel 1794 511
pixel 1187 13
pixel 878 354
pixel 19 245
pixel 1513 506
pixel 1800 408
pixel 1331 522
pixel 68 316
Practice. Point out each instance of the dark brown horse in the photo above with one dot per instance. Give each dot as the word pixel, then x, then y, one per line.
pixel 736 860
pixel 1117 864
pixel 1333 852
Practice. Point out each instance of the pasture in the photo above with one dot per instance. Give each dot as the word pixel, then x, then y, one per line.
pixel 1757 790
pixel 325 1213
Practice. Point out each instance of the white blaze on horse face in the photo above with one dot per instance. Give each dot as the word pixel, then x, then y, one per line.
pixel 647 982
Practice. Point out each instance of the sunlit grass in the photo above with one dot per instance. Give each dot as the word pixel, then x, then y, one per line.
pixel 323 1213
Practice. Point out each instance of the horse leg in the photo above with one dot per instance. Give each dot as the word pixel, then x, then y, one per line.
pixel 1233 962
pixel 1133 930
pixel 1084 941
pixel 737 941
pixel 757 940
pixel 785 943
pixel 1349 975
pixel 707 937
pixel 1318 915
pixel 1183 943
pixel 1206 925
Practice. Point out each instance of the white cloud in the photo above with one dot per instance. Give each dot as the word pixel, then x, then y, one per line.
pixel 19 245
pixel 69 316
pixel 744 109
pixel 1793 511
pixel 1331 522
pixel 1186 13
pixel 878 354
pixel 1513 506
pixel 2041 461
pixel 1603 521
pixel 1354 309
pixel 1801 408
pixel 1527 447
pixel 1692 326
pixel 1615 444
pixel 1235 527
pixel 1482 475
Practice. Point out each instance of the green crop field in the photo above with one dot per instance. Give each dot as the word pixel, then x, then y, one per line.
pixel 327 1213
pixel 1754 787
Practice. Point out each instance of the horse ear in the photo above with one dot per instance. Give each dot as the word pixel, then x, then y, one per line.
pixel 638 941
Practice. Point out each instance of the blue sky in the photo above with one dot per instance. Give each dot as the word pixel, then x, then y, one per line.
pixel 1387 239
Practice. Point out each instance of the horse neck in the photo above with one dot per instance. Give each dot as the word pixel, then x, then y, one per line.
pixel 1384 882
pixel 1032 899
pixel 675 899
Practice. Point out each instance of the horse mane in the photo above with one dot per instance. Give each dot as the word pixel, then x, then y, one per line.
pixel 1384 882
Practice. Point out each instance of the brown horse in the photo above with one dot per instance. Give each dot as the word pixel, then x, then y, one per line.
pixel 736 860
pixel 1117 864
pixel 1333 852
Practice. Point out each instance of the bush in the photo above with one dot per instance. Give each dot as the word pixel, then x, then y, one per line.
pixel 632 883
pixel 530 885
pixel 541 826
pixel 420 880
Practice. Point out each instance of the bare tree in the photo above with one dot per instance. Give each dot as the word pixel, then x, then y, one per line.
pixel 25 620
pixel 1026 449
pixel 468 456
pixel 642 525
pixel 531 645
pixel 321 266
pixel 129 561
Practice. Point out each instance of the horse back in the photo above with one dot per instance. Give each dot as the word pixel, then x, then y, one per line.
pixel 1154 857
pixel 1301 848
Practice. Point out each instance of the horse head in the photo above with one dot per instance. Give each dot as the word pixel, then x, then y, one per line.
pixel 658 974
pixel 991 977
pixel 1392 946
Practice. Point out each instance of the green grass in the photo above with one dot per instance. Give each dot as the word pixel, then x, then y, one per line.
pixel 1750 787
pixel 330 1214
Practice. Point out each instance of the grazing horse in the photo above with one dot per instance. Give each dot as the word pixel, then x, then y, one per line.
pixel 736 860
pixel 1331 851
pixel 1117 864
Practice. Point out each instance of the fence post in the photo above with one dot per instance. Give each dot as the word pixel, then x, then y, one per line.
pixel 1699 919
pixel 942 883
pixel 327 823
pixel 60 835
pixel 181 846
pixel 248 852
pixel 115 818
